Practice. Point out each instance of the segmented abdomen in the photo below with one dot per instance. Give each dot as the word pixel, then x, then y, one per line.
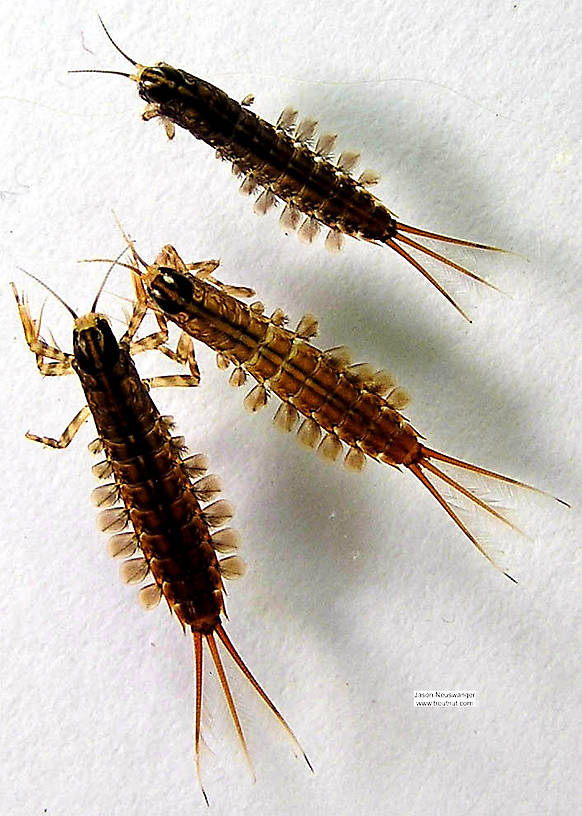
pixel 315 383
pixel 270 158
pixel 157 494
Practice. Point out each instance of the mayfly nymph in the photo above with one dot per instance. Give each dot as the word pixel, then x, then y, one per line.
pixel 342 404
pixel 287 163
pixel 158 492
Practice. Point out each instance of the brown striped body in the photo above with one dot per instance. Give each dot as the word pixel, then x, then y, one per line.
pixel 318 386
pixel 288 162
pixel 153 483
pixel 344 401
pixel 293 171
pixel 284 163
pixel 161 502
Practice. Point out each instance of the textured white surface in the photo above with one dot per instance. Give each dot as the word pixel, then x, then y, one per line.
pixel 359 589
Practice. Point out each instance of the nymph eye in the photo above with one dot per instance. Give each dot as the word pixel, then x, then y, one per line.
pixel 158 73
pixel 170 289
pixel 152 78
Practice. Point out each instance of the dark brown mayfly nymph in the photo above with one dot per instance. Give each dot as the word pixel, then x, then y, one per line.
pixel 342 404
pixel 285 162
pixel 157 491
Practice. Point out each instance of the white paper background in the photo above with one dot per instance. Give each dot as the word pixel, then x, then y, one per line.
pixel 359 590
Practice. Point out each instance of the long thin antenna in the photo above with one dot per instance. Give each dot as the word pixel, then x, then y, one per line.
pixel 114 44
pixel 130 243
pixel 98 71
pixel 53 293
pixel 109 261
pixel 101 71
pixel 104 281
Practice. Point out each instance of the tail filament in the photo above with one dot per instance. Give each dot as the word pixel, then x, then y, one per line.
pixel 198 661
pixel 393 243
pixel 425 463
